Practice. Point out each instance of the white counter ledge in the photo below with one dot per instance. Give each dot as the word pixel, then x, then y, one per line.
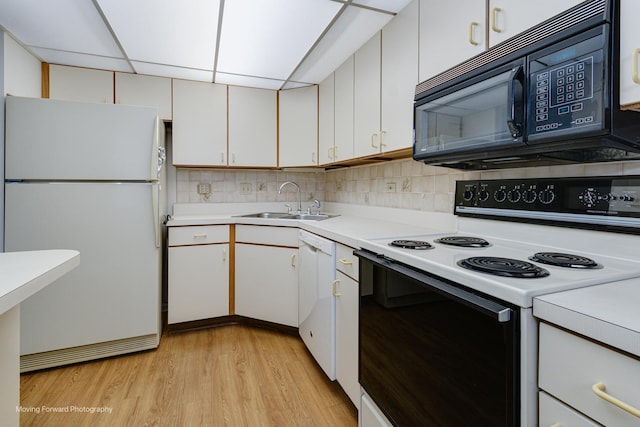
pixel 22 274
pixel 608 313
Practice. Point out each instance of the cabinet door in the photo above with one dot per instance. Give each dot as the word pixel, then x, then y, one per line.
pixel 326 120
pixel 198 282
pixel 399 78
pixel 266 283
pixel 367 98
pixel 199 124
pixel 510 17
pixel 80 84
pixel 146 91
pixel 298 121
pixel 450 32
pixel 252 127
pixel 343 147
pixel 629 54
pixel 347 300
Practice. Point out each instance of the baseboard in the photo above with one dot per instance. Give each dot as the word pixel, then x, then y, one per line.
pixel 230 320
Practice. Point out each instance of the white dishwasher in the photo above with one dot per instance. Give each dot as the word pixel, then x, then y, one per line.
pixel 316 302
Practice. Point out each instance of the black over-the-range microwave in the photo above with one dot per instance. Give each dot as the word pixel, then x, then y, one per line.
pixel 545 97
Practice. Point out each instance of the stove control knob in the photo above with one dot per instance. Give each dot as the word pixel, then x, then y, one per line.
pixel 483 195
pixel 610 197
pixel 514 195
pixel 547 196
pixel 469 193
pixel 529 196
pixel 627 198
pixel 500 195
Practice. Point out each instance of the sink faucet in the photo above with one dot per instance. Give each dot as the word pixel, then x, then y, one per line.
pixel 297 189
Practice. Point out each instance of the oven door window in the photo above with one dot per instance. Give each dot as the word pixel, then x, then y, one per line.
pixel 474 117
pixel 427 359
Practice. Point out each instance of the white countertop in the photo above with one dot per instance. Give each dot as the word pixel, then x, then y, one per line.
pixel 608 313
pixel 22 274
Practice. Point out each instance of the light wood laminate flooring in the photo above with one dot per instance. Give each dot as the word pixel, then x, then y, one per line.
pixel 224 376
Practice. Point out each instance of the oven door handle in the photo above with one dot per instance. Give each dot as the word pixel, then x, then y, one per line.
pixel 492 309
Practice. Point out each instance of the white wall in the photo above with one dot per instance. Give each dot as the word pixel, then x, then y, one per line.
pixel 20 75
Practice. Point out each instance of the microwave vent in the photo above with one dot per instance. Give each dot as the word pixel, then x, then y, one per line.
pixel 565 21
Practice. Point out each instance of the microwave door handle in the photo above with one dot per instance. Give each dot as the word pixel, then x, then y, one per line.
pixel 516 102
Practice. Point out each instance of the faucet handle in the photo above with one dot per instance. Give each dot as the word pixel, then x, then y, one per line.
pixel 288 207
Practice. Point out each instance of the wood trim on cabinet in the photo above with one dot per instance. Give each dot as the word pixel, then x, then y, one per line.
pixel 44 67
pixel 232 269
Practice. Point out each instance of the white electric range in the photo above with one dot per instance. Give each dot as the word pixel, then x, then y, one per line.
pixel 559 234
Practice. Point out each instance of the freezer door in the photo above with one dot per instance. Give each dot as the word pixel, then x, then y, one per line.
pixel 63 140
pixel 115 292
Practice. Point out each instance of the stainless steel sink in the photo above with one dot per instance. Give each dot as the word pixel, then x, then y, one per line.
pixel 283 215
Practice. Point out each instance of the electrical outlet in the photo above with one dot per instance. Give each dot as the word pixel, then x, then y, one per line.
pixel 245 188
pixel 390 187
pixel 204 189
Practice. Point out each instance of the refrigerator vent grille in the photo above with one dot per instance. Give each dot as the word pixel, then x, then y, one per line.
pixel 67 356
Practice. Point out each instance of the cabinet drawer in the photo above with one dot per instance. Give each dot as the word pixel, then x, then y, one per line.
pixel 346 261
pixel 198 235
pixel 266 235
pixel 554 413
pixel 571 365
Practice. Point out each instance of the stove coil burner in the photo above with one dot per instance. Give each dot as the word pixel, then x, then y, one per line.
pixel 564 260
pixel 463 241
pixel 411 244
pixel 506 267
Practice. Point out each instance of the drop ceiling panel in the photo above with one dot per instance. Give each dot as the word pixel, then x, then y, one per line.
pixel 68 25
pixel 169 32
pixel 269 38
pixel 353 29
pixel 388 5
pixel 249 81
pixel 82 60
pixel 171 71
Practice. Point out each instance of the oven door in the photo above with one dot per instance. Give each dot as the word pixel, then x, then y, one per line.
pixel 432 353
pixel 479 114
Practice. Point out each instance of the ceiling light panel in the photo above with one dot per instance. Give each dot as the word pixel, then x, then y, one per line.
pixel 388 5
pixel 171 71
pixel 248 81
pixel 268 38
pixel 354 28
pixel 169 32
pixel 83 60
pixel 67 25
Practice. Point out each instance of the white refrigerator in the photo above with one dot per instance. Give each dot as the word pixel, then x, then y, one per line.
pixel 87 177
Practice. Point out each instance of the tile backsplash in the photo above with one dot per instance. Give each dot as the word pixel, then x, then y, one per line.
pixel 403 183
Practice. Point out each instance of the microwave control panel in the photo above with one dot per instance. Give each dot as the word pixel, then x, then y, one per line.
pixel 566 90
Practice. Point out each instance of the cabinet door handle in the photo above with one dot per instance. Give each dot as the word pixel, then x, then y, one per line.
pixel 599 390
pixel 344 261
pixel 472 27
pixel 373 138
pixel 634 66
pixel 233 158
pixel 494 19
pixel 224 255
pixel 293 260
pixel 200 236
pixel 382 144
pixel 222 158
pixel 313 157
pixel 330 152
pixel 333 288
pixel 556 425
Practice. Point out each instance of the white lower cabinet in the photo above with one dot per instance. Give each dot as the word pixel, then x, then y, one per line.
pixel 555 413
pixel 347 302
pixel 198 273
pixel 266 273
pixel 370 415
pixel 594 380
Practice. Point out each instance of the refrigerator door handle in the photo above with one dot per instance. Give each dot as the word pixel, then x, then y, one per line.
pixel 155 151
pixel 155 195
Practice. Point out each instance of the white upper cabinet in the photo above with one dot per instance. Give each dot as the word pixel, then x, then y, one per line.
pixel 629 54
pixel 367 98
pixel 450 32
pixel 454 31
pixel 399 78
pixel 252 127
pixel 326 119
pixel 147 91
pixel 344 112
pixel 199 124
pixel 80 84
pixel 510 17
pixel 298 123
